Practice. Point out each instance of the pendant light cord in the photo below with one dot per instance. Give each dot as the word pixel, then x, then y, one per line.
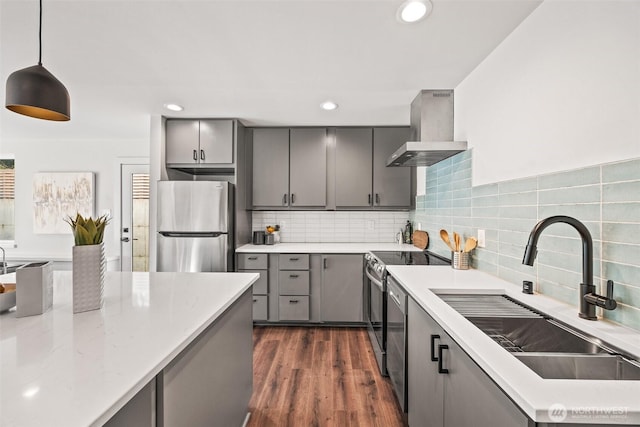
pixel 40 37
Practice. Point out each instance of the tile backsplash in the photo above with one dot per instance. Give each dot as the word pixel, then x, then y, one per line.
pixel 333 226
pixel 606 198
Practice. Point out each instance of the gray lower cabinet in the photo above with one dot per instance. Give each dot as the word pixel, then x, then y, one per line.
pixel 139 411
pixel 354 168
pixel 342 284
pixel 289 168
pixel 210 382
pixel 257 263
pixel 294 287
pixel 392 187
pixel 464 395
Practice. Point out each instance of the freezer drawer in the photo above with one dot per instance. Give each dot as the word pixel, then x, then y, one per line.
pixel 293 308
pixel 192 254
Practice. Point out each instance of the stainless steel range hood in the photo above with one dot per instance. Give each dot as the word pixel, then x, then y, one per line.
pixel 432 130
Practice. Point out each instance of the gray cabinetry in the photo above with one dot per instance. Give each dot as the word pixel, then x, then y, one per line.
pixel 392 187
pixel 257 263
pixel 270 168
pixel 308 167
pixel 210 382
pixel 290 168
pixel 293 287
pixel 353 167
pixel 450 390
pixel 199 141
pixel 342 284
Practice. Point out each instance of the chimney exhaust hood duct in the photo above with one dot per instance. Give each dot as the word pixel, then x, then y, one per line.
pixel 432 131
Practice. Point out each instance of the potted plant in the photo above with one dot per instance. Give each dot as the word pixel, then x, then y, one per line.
pixel 88 262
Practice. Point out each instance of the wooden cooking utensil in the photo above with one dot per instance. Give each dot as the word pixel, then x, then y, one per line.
pixel 456 240
pixel 420 239
pixel 445 238
pixel 470 244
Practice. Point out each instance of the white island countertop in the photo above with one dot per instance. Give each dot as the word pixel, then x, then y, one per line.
pixel 325 248
pixel 65 369
pixel 617 401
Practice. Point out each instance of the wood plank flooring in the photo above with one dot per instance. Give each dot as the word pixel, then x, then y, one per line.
pixel 311 376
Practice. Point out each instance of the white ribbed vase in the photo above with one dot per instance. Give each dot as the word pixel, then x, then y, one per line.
pixel 89 266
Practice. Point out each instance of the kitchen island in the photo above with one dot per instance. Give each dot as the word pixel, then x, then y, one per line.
pixel 149 343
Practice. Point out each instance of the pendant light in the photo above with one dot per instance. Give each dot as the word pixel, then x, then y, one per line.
pixel 35 92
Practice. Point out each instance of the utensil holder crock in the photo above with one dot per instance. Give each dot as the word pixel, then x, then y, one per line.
pixel 460 260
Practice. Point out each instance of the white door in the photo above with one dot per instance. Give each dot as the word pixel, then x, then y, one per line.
pixel 134 215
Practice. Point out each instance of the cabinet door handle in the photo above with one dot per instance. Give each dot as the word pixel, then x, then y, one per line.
pixel 293 276
pixel 284 199
pixel 324 263
pixel 195 155
pixel 441 348
pixel 377 199
pixel 293 198
pixel 252 258
pixel 293 301
pixel 294 259
pixel 201 154
pixel 369 198
pixel 434 337
pixel 255 300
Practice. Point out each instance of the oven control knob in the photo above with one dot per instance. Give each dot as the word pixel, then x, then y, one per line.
pixel 379 268
pixel 367 257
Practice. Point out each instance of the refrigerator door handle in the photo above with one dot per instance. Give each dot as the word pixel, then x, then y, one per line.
pixel 190 234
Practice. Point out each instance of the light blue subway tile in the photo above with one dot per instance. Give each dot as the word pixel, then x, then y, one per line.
pixel 509 224
pixel 461 157
pixel 581 212
pixel 487 267
pixel 486 223
pixel 565 261
pixel 485 212
pixel 621 233
pixel 621 273
pixel 621 171
pixel 621 192
pixel 515 277
pixel 621 212
pixel 564 196
pixel 514 263
pixel 572 244
pixel 462 203
pixel 461 184
pixel 528 198
pixel 518 185
pixel 624 294
pixel 621 253
pixel 486 255
pixel 590 175
pixel 559 292
pixel 562 277
pixel 514 237
pixel 484 201
pixel 465 222
pixel 444 187
pixel 511 249
pixel 461 193
pixel 564 230
pixel 461 170
pixel 485 190
pixel 518 212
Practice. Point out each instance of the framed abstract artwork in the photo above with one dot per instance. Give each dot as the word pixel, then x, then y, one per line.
pixel 57 195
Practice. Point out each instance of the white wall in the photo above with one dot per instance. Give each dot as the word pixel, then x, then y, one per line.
pixel 561 92
pixel 99 156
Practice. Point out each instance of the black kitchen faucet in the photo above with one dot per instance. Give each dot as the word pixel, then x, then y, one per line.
pixel 588 297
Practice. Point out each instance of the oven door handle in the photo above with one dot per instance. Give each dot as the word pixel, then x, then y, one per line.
pixel 373 279
pixel 394 298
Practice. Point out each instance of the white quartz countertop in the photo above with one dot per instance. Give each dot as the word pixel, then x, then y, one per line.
pixel 65 369
pixel 533 394
pixel 325 248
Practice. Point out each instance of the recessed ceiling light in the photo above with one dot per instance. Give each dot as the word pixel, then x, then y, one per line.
pixel 414 10
pixel 328 105
pixel 173 107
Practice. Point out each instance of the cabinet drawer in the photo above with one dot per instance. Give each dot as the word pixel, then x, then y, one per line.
pixel 294 261
pixel 294 307
pixel 293 282
pixel 260 307
pixel 252 262
pixel 261 286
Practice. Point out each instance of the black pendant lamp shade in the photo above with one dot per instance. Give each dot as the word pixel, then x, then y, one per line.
pixel 35 92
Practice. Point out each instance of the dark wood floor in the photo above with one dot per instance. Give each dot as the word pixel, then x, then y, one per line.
pixel 306 376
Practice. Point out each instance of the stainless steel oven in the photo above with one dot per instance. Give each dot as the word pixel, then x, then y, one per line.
pixel 375 308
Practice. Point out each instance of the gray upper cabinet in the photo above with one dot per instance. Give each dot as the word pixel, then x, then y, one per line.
pixel 342 288
pixel 289 168
pixel 354 167
pixel 271 168
pixel 392 186
pixel 199 141
pixel 308 167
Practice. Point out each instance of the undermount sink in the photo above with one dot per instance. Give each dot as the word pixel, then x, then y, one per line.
pixel 549 348
pixel 581 366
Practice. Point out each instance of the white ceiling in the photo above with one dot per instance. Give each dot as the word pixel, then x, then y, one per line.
pixel 266 62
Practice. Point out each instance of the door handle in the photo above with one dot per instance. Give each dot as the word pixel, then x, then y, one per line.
pixel 293 301
pixel 324 263
pixel 293 276
pixel 369 198
pixel 293 198
pixel 201 154
pixel 195 155
pixel 124 239
pixel 434 337
pixel 441 348
pixel 284 199
pixel 377 199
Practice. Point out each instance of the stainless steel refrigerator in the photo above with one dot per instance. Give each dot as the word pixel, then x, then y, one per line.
pixel 195 226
